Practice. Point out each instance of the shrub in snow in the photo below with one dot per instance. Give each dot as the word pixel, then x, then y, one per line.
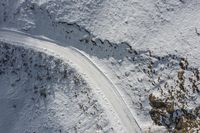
pixel 176 106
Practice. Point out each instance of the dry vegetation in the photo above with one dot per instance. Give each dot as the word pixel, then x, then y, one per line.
pixel 175 106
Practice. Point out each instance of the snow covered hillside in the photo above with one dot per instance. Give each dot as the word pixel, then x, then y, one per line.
pixel 148 51
pixel 40 93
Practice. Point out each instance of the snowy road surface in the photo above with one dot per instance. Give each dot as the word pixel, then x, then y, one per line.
pixel 85 66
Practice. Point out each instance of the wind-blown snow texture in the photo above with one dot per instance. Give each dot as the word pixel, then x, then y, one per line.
pixel 138 44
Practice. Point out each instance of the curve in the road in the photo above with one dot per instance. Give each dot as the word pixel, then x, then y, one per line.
pixel 85 66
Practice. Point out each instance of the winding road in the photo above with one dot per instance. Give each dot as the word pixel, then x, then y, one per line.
pixel 85 66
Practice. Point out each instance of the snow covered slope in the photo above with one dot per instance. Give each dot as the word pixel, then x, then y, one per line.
pixel 41 93
pixel 86 67
pixel 142 46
